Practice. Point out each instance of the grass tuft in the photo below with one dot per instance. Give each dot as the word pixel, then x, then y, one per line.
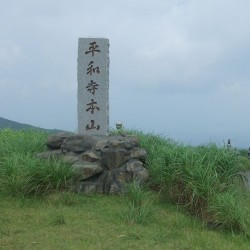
pixel 139 205
pixel 230 211
pixel 56 218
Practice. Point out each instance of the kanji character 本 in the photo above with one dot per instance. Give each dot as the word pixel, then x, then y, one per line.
pixel 92 49
pixel 92 87
pixel 92 126
pixel 92 106
pixel 91 69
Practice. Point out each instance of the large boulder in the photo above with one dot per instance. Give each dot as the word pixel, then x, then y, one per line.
pixel 78 143
pixel 55 141
pixel 113 157
pixel 84 170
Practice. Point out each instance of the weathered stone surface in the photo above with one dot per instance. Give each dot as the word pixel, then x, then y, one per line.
pixel 117 141
pixel 89 156
pixel 87 188
pixel 55 141
pixel 85 170
pixel 70 158
pixel 134 140
pixel 100 145
pixel 114 158
pixel 139 173
pixel 138 153
pixel 93 85
pixel 102 164
pixel 112 181
pixel 122 143
pixel 78 143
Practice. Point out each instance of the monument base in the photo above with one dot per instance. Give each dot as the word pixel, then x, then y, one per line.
pixel 102 164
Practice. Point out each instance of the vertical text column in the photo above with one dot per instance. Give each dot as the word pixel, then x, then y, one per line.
pixel 93 86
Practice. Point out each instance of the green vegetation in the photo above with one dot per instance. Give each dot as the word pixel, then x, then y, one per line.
pixel 205 179
pixel 139 205
pixel 98 222
pixel 244 162
pixel 21 173
pixel 194 200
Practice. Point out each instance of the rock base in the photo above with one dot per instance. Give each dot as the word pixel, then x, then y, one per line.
pixel 102 164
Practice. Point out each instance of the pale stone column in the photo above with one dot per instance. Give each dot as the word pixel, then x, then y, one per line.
pixel 93 86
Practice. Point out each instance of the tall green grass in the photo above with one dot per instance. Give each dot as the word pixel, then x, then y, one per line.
pixel 21 141
pixel 139 204
pixel 21 172
pixel 202 178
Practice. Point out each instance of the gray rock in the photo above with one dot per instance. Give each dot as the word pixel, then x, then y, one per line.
pixel 89 156
pixel 78 143
pixel 100 145
pixel 138 153
pixel 94 184
pixel 55 141
pixel 122 142
pixel 88 188
pixel 134 140
pixel 122 175
pixel 114 158
pixel 102 164
pixel 139 173
pixel 84 170
pixel 117 141
pixel 113 181
pixel 70 158
pixel 115 188
pixel 127 142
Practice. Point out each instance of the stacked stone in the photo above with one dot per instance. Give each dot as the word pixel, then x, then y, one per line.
pixel 102 164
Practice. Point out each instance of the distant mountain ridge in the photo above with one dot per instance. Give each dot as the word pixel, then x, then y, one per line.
pixel 5 123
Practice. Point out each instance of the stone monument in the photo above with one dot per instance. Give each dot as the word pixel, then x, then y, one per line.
pixel 100 162
pixel 93 85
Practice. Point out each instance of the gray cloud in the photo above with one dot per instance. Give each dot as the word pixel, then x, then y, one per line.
pixel 177 67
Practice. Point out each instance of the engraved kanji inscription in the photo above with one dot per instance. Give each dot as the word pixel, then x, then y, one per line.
pixel 91 69
pixel 92 106
pixel 92 49
pixel 92 87
pixel 92 126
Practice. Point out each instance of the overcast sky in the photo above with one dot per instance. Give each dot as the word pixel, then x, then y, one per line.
pixel 177 67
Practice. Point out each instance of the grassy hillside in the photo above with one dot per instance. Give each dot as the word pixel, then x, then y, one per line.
pixel 5 123
pixel 194 200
